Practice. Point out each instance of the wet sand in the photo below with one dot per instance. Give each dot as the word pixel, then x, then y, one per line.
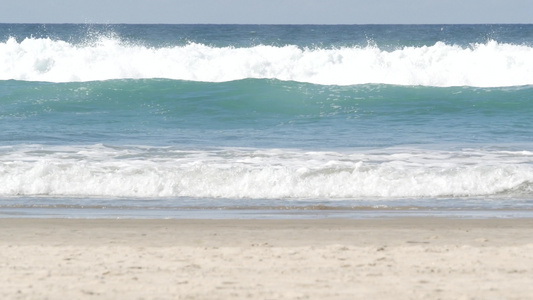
pixel 400 258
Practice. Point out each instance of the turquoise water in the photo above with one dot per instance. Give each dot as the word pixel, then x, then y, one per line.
pixel 265 113
pixel 172 118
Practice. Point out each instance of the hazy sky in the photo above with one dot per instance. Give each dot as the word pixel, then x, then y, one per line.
pixel 267 11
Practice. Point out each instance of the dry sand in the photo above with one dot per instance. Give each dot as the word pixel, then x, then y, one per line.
pixel 404 258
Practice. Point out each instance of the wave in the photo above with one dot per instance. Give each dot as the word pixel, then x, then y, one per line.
pixel 260 113
pixel 491 64
pixel 263 174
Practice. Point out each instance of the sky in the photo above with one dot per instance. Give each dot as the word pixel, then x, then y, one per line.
pixel 267 11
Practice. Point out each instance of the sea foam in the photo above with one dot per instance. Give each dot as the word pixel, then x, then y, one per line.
pixel 264 174
pixel 491 64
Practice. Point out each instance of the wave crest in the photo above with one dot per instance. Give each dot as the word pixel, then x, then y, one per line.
pixel 491 64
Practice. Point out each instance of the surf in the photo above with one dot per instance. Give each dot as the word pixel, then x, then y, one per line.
pixel 247 173
pixel 490 64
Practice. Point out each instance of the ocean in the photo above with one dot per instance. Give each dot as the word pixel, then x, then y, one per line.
pixel 265 121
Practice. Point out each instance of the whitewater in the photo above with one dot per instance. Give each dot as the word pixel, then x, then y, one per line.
pixel 264 174
pixel 490 64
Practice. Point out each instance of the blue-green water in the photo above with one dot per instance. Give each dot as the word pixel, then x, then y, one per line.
pixel 166 117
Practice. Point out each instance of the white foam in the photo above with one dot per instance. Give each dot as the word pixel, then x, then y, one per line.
pixel 491 64
pixel 263 174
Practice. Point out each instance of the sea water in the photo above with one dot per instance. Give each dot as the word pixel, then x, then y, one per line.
pixel 260 120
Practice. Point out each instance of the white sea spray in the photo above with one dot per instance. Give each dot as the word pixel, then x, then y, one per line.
pixel 490 64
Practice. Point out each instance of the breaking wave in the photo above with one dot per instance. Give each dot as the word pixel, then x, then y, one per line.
pixel 263 174
pixel 491 64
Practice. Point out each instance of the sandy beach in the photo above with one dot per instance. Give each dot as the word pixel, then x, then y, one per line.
pixel 402 258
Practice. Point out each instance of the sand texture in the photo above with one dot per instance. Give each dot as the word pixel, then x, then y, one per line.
pixel 405 258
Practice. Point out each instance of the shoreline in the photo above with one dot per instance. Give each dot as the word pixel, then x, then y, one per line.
pixel 393 258
pixel 251 212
